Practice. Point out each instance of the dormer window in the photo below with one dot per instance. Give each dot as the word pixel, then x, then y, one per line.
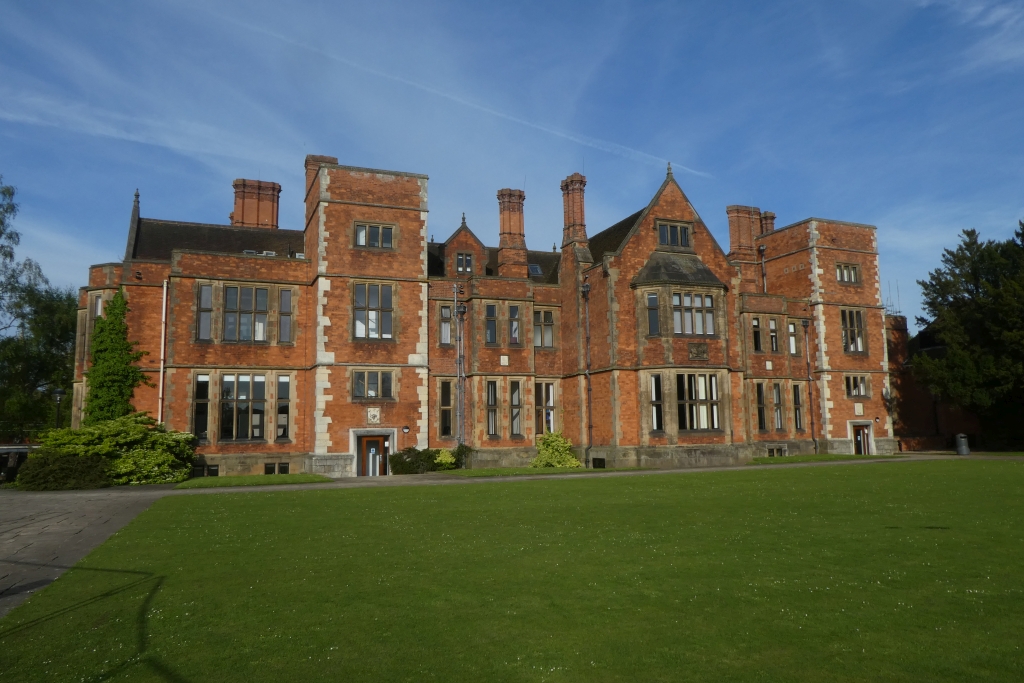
pixel 464 263
pixel 673 235
pixel 535 269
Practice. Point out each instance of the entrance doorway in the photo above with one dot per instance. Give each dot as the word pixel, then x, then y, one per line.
pixel 861 440
pixel 372 459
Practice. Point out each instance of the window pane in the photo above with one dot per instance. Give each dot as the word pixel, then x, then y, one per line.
pixel 688 320
pixel 227 420
pixel 259 387
pixel 385 296
pixel 242 423
pixel 371 324
pixel 446 332
pixel 514 332
pixel 261 299
pixel 371 385
pixel 361 235
pixel 201 420
pixel 204 324
pixel 231 298
pixel 492 311
pixel 703 415
pixel 513 312
pixel 677 300
pixel 243 386
pixel 257 420
pixel 492 331
pixel 687 300
pixel 283 387
pixel 374 238
pixel 245 302
pixel 714 416
pixel 260 330
pixel 549 317
pixel 385 384
pixel 385 238
pixel 286 301
pixel 202 387
pixel 652 321
pixel 385 324
pixel 698 320
pixel 361 324
pixel 663 234
pixel 359 384
pixel 709 322
pixel 677 321
pixel 245 326
pixel 681 415
pixel 655 387
pixel 549 336
pixel 713 381
pixel 286 329
pixel 446 394
pixel 360 296
pixel 537 331
pixel 373 300
pixel 492 393
pixel 206 296
pixel 514 393
pixel 227 387
pixel 673 235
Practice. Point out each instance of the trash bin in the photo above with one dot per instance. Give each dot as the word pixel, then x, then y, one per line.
pixel 961 445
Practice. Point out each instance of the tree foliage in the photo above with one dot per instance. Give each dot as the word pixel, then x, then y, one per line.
pixel 37 336
pixel 114 375
pixel 555 450
pixel 975 304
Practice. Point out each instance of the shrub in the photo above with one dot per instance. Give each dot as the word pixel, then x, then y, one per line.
pixel 554 450
pixel 136 448
pixel 444 460
pixel 49 471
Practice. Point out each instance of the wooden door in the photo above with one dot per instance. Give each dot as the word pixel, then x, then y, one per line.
pixel 860 441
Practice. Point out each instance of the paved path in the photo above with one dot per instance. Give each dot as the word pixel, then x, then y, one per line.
pixel 43 534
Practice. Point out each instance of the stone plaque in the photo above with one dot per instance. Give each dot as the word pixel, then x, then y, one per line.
pixel 373 416
pixel 698 351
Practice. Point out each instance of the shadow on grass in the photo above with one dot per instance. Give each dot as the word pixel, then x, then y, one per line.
pixel 140 658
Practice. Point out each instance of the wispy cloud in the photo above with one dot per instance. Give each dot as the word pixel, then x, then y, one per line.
pixel 594 143
pixel 1002 26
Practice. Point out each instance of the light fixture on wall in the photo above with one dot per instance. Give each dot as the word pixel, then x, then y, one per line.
pixel 405 429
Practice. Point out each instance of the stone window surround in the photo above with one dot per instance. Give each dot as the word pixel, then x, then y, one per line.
pixel 395 235
pixel 666 308
pixel 396 376
pixel 217 312
pixel 213 415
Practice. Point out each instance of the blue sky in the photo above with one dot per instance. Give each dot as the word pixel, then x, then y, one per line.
pixel 902 114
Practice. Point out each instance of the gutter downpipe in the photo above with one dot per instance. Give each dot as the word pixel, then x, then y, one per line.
pixel 810 384
pixel 764 274
pixel 163 352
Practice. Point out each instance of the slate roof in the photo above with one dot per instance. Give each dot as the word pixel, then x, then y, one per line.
pixel 155 239
pixel 548 262
pixel 675 268
pixel 610 239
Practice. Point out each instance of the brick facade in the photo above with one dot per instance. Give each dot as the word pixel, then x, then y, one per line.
pixel 325 347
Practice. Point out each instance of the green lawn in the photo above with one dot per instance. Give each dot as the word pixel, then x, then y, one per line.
pixel 519 471
pixel 252 480
pixel 790 459
pixel 898 572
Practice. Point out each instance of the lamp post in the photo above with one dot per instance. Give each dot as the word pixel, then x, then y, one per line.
pixel 58 394
pixel 810 382
pixel 585 292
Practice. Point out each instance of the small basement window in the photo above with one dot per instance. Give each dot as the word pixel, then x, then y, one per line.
pixel 535 269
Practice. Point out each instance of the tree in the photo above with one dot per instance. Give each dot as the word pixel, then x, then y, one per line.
pixel 113 377
pixel 15 276
pixel 976 306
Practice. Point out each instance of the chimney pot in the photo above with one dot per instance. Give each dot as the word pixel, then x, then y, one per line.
pixel 575 225
pixel 256 204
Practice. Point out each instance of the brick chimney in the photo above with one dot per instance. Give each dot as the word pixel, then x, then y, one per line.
pixel 575 229
pixel 255 204
pixel 744 225
pixel 512 238
pixel 767 222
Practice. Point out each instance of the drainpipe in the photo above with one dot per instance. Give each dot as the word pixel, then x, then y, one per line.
pixel 163 352
pixel 590 394
pixel 810 383
pixel 764 275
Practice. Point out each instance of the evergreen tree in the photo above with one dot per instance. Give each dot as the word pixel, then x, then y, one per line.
pixel 113 377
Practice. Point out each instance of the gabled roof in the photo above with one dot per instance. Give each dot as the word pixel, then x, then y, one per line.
pixel 464 228
pixel 609 240
pixel 154 240
pixel 677 269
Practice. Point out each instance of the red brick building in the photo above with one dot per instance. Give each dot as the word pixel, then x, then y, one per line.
pixel 323 349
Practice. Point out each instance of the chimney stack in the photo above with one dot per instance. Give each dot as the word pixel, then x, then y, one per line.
pixel 744 225
pixel 767 222
pixel 256 203
pixel 512 237
pixel 575 229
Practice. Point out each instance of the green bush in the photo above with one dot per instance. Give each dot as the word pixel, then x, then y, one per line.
pixel 554 450
pixel 48 471
pixel 136 448
pixel 444 460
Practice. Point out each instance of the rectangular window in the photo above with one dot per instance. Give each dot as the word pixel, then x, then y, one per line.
pixel 515 400
pixel 848 273
pixel 464 263
pixel 446 325
pixel 446 408
pixel 491 332
pixel 205 331
pixel 756 327
pixel 242 407
pixel 857 386
pixel 673 235
pixel 231 314
pixel 762 418
pixel 653 329
pixel 377 236
pixel 777 405
pixel 513 325
pixel 544 402
pixel 285 316
pixel 284 395
pixel 492 408
pixel 792 339
pixel 371 384
pixel 373 311
pixel 657 417
pixel 544 328
pixel 697 402
pixel 697 315
pixel 201 408
pixel 853 330
pixel 259 327
pixel 798 409
pixel 773 335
